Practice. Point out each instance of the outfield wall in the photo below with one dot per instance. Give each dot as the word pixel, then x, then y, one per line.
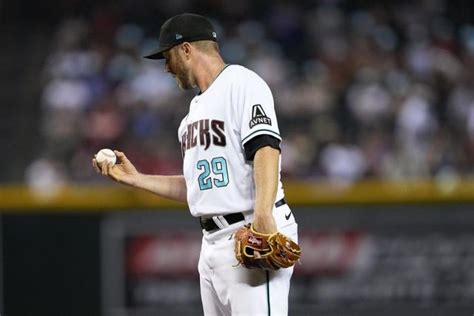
pixel 365 257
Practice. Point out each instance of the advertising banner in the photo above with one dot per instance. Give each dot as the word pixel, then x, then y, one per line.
pixel 366 269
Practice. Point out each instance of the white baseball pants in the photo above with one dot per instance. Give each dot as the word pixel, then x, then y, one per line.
pixel 229 289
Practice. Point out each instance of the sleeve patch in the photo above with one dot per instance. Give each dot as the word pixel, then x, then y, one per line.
pixel 259 116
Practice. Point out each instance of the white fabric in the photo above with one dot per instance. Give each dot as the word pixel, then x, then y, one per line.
pixel 237 105
pixel 228 289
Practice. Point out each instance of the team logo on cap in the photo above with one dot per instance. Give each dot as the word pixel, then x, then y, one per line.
pixel 179 36
pixel 214 34
pixel 259 116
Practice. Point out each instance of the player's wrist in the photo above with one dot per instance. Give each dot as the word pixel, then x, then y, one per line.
pixel 263 213
pixel 264 223
pixel 134 180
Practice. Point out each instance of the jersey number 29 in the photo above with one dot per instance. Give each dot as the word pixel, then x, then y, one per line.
pixel 213 173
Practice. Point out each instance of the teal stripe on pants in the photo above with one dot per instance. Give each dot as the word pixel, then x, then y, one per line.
pixel 268 293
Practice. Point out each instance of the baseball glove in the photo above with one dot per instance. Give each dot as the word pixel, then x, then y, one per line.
pixel 255 250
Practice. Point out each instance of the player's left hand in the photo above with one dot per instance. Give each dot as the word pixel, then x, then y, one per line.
pixel 255 250
pixel 264 224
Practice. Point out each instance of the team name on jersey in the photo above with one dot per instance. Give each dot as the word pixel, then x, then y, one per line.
pixel 203 133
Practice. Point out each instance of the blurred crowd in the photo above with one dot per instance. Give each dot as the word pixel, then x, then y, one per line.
pixel 361 91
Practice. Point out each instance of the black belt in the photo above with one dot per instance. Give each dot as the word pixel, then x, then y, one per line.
pixel 209 225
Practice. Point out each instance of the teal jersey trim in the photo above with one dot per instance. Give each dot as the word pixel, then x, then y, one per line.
pixel 268 293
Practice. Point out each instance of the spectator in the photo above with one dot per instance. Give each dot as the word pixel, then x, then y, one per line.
pixel 393 82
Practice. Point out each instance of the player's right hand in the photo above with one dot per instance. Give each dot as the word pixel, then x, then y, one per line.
pixel 123 171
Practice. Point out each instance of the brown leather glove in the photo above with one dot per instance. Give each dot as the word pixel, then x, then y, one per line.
pixel 255 250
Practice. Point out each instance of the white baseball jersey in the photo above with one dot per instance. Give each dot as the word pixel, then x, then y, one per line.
pixel 236 107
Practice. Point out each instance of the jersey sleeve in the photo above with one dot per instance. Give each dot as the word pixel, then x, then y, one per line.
pixel 258 111
pixel 257 142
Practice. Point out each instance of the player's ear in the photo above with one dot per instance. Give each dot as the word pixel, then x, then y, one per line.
pixel 186 49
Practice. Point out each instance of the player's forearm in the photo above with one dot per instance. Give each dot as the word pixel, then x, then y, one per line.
pixel 266 162
pixel 170 187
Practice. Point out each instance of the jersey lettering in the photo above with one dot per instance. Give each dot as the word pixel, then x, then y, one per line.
pixel 183 144
pixel 203 129
pixel 188 137
pixel 219 137
pixel 204 137
pixel 194 127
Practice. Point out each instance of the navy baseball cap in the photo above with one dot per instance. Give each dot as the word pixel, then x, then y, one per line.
pixel 186 27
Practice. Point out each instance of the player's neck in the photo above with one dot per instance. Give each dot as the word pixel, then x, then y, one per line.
pixel 208 70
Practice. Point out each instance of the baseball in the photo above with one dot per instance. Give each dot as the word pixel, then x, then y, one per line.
pixel 106 155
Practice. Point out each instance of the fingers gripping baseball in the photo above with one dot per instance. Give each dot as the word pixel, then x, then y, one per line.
pixel 122 171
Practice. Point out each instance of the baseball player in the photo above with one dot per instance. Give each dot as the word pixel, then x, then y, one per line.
pixel 230 145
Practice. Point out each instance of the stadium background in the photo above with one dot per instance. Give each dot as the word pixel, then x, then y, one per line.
pixel 376 107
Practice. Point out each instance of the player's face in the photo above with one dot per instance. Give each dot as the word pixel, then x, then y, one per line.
pixel 176 66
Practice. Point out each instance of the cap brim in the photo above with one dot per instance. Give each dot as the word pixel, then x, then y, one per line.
pixel 158 54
